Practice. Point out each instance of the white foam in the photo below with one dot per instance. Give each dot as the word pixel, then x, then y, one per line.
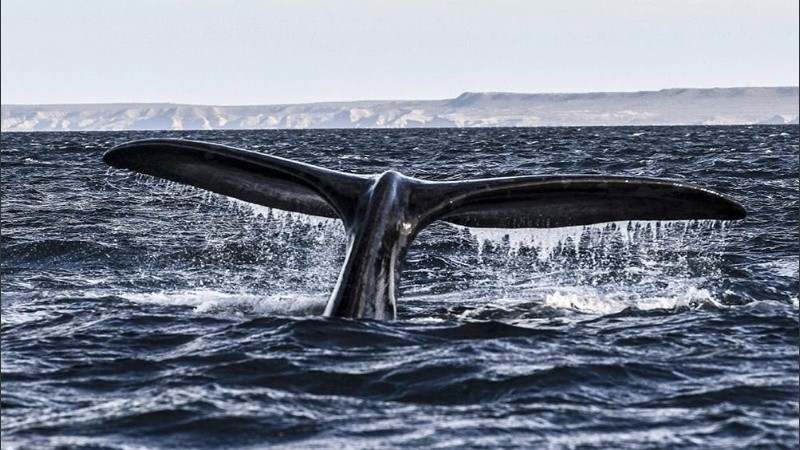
pixel 236 304
pixel 593 301
pixel 597 300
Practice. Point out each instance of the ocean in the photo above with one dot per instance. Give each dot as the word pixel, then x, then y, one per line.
pixel 140 313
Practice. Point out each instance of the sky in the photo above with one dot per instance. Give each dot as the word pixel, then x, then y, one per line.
pixel 249 52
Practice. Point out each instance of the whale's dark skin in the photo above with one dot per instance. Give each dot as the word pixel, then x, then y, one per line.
pixel 383 213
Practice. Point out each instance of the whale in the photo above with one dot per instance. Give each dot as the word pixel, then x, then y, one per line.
pixel 382 213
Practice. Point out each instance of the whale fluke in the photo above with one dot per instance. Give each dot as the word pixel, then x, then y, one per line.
pixel 246 175
pixel 383 213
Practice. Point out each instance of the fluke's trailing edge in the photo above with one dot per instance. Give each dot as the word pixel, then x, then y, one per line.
pixel 382 213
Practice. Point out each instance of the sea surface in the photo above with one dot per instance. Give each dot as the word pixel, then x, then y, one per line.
pixel 139 313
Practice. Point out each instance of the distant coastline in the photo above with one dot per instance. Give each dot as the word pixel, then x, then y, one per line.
pixel 717 106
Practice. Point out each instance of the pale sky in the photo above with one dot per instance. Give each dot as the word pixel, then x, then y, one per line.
pixel 294 51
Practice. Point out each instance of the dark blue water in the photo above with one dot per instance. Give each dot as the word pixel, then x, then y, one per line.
pixel 142 314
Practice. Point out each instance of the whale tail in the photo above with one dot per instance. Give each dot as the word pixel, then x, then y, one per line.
pixel 246 175
pixel 382 214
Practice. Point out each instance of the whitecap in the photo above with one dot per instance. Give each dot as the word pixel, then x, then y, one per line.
pixel 236 304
